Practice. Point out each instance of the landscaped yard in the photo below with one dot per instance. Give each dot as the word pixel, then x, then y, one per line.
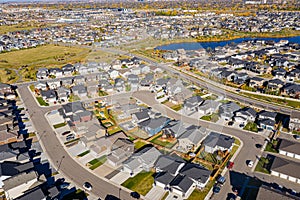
pixel 213 117
pixel 102 93
pixel 141 183
pixel 198 194
pixel 261 165
pixel 73 98
pixel 59 125
pixel 271 147
pixel 114 130
pixel 139 144
pixel 177 107
pixel 83 153
pixel 41 101
pixel 251 126
pixel 93 164
pixel 165 142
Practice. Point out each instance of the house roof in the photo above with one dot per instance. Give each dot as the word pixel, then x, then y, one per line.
pixel 290 146
pixel 194 135
pixel 182 183
pixel 196 172
pixel 32 194
pixel 265 192
pixel 267 114
pixel 142 115
pixel 267 122
pixel 216 139
pixel 175 127
pixel 207 104
pixel 164 177
pixel 154 123
pixel 19 179
pixel 286 167
pixel 168 163
pixel 193 100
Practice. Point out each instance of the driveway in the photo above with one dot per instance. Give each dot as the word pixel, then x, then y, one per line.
pixel 77 149
pixel 120 177
pixel 156 193
pixel 103 170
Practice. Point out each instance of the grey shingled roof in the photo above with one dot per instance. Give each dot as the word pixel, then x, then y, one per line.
pixel 290 146
pixel 286 167
pixel 216 139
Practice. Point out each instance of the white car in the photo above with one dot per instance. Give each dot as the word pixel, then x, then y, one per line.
pixel 250 164
pixel 87 186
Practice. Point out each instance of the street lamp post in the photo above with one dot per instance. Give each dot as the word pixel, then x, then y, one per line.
pixel 60 162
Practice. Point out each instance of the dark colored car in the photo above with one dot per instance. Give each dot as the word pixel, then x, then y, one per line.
pixel 217 188
pixel 135 195
pixel 66 132
pixel 87 186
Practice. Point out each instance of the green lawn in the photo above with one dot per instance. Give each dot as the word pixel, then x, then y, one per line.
pixel 213 117
pixel 41 101
pixel 73 98
pixel 296 132
pixel 71 141
pixel 201 194
pixel 158 140
pixel 176 107
pixel 97 162
pixel 251 126
pixel 115 130
pixel 165 196
pixel 102 93
pixel 141 183
pixel 260 165
pixel 60 125
pixel 139 144
pixel 270 147
pixel 83 153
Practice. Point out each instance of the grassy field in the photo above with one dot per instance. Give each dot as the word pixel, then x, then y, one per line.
pixel 29 60
pixel 18 27
pixel 251 126
pixel 141 183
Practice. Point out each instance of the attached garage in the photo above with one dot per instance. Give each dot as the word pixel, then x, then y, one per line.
pixel 283 176
pixel 293 179
pixel 274 173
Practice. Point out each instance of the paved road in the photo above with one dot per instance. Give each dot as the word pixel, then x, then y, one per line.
pixel 213 88
pixel 58 156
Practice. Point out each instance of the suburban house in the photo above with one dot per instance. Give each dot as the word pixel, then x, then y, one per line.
pixel 42 73
pixel 63 94
pixel 275 84
pixel 256 82
pixel 66 81
pixel 49 95
pixel 292 90
pixel 208 107
pixel 192 138
pixel 191 104
pixel 55 72
pixel 79 90
pixel 121 150
pixel 227 110
pixel 16 186
pixel 155 125
pixel 53 84
pixel 267 120
pixel 245 115
pixel 76 113
pixel 141 160
pixel 217 142
pixel 286 169
pixel 40 85
pixel 141 116
pixel 68 69
pixel 289 148
pixel 176 175
pixel 175 129
pixel 119 85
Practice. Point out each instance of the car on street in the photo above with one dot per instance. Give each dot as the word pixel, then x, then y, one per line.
pixel 66 133
pixel 221 180
pixel 87 186
pixel 64 185
pixel 230 165
pixel 250 163
pixel 135 195
pixel 297 137
pixel 217 188
pixel 230 123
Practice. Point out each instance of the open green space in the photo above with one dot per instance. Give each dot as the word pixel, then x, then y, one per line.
pixel 97 162
pixel 272 146
pixel 60 125
pixel 41 101
pixel 251 126
pixel 141 183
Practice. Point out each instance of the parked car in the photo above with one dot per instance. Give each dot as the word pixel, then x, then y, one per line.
pixel 217 188
pixel 250 163
pixel 72 137
pixel 221 180
pixel 135 195
pixel 297 137
pixel 87 186
pixel 230 165
pixel 66 133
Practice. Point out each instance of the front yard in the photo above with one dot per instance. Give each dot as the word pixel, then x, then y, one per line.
pixel 251 126
pixel 213 117
pixel 201 194
pixel 93 164
pixel 141 183
pixel 41 101
pixel 164 142
pixel 262 165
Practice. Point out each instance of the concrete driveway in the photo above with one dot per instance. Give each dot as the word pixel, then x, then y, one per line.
pixel 156 193
pixel 103 170
pixel 120 177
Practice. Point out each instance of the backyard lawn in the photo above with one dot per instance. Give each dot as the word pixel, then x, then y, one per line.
pixel 139 144
pixel 141 183
pixel 168 143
